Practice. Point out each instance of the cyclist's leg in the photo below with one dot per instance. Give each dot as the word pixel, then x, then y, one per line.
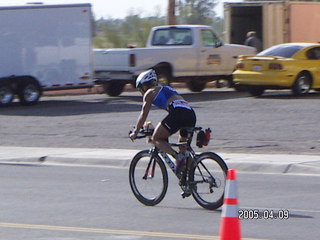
pixel 188 120
pixel 182 138
pixel 176 119
pixel 160 139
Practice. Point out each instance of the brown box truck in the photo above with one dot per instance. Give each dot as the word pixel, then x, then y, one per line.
pixel 274 22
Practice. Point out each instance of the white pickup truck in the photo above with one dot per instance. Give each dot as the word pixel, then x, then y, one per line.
pixel 181 53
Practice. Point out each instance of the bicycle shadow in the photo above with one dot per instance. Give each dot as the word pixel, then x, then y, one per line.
pixel 195 208
pixel 219 211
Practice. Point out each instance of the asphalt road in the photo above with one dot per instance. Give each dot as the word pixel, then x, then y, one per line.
pixel 43 202
pixel 274 123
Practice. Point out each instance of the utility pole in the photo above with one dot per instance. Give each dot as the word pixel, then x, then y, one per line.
pixel 171 16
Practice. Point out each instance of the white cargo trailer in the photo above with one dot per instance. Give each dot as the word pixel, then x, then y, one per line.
pixel 44 47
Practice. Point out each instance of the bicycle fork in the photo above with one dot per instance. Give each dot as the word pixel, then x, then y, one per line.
pixel 152 163
pixel 146 174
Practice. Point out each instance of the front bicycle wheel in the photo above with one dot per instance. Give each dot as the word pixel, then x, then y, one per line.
pixel 148 178
pixel 208 180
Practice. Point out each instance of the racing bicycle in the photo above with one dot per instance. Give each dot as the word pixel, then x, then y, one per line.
pixel 203 175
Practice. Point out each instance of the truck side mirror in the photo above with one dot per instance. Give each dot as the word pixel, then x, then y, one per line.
pixel 218 44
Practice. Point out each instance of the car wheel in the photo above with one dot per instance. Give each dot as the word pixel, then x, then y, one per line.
pixel 255 91
pixel 240 88
pixel 302 84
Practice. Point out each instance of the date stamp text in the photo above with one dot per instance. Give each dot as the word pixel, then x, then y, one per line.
pixel 255 214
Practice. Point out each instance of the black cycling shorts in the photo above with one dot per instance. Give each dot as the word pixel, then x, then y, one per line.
pixel 179 118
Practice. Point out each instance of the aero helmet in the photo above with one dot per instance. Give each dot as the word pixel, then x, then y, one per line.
pixel 146 76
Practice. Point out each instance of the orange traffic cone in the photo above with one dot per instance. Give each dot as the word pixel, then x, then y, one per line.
pixel 230 224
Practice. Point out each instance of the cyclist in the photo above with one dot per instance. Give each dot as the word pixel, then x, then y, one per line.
pixel 180 114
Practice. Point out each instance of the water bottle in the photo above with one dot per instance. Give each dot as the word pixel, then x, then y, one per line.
pixel 207 134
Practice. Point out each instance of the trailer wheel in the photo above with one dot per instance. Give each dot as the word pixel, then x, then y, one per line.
pixel 113 88
pixel 29 92
pixel 6 94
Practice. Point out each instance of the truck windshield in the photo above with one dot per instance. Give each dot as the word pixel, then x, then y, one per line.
pixel 172 36
pixel 286 51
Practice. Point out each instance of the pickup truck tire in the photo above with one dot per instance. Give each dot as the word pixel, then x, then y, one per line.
pixel 196 86
pixel 113 88
pixel 6 94
pixel 29 92
pixel 164 75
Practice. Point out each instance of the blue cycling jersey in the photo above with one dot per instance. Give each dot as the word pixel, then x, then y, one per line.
pixel 163 96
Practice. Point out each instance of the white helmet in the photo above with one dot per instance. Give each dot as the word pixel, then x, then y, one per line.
pixel 146 76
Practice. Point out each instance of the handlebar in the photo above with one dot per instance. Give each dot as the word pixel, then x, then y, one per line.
pixel 203 137
pixel 145 133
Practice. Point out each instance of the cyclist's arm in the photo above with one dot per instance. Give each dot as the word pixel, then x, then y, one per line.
pixel 147 102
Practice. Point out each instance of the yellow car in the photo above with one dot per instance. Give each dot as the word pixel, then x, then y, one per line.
pixel 294 66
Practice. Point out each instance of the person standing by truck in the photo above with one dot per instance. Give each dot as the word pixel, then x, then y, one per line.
pixel 253 41
pixel 180 114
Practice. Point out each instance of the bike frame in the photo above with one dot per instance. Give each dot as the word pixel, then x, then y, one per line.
pixel 164 156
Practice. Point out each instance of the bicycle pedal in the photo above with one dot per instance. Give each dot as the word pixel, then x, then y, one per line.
pixel 185 194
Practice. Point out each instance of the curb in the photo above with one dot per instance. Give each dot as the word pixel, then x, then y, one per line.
pixel 273 163
pixel 254 163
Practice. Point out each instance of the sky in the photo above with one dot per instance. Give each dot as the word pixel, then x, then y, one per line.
pixel 112 8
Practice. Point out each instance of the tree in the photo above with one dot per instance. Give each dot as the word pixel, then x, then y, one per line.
pixel 119 33
pixel 196 11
